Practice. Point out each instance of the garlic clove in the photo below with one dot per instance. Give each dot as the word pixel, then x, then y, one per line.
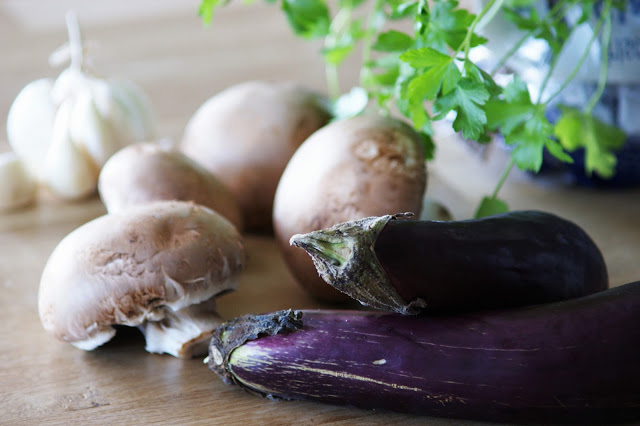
pixel 17 187
pixel 69 83
pixel 68 172
pixel 133 118
pixel 89 129
pixel 30 122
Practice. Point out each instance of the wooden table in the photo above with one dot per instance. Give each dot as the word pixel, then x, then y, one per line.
pixel 163 47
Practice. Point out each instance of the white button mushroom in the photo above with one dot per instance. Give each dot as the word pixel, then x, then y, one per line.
pixel 157 267
pixel 147 172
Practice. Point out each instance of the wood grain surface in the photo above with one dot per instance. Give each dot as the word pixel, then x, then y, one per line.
pixel 163 47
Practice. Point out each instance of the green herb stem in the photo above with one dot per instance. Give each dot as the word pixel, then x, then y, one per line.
pixel 336 29
pixel 552 68
pixel 333 81
pixel 604 59
pixel 466 43
pixel 531 33
pixel 423 7
pixel 488 17
pixel 367 41
pixel 503 177
pixel 512 51
pixel 585 54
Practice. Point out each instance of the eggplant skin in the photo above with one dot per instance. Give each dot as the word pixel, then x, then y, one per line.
pixel 512 259
pixel 574 361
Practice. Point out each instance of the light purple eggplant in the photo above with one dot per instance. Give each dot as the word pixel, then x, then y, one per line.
pixel 573 361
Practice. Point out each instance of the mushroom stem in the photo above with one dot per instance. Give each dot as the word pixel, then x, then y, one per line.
pixel 184 333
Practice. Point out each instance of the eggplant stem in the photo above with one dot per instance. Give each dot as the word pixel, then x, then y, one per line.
pixel 344 257
pixel 230 335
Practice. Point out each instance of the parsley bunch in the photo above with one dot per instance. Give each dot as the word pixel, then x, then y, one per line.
pixel 427 74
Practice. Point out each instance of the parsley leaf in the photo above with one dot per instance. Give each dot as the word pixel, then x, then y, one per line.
pixel 531 138
pixel 452 76
pixel 490 206
pixel 308 18
pixel 393 41
pixel 424 57
pixel 207 7
pixel 403 9
pixel 336 54
pixel 479 75
pixel 524 126
pixel 383 73
pixel 344 43
pixel 512 110
pixel 428 144
pixel 553 31
pixel 427 85
pixel 529 141
pixel 349 4
pixel 516 91
pixel 435 65
pixel 576 129
pixel 445 25
pixel 466 99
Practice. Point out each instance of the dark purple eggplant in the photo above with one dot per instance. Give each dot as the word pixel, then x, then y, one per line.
pixel 572 361
pixel 409 266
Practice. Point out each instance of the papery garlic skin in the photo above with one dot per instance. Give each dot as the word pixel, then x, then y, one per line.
pixel 17 187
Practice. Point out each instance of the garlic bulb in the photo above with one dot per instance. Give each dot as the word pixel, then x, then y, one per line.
pixel 17 188
pixel 65 130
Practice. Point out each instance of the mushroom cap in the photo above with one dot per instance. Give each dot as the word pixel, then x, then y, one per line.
pixel 146 172
pixel 246 134
pixel 141 266
pixel 358 167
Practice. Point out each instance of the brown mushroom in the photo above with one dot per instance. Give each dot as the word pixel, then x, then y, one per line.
pixel 158 267
pixel 246 134
pixel 368 165
pixel 146 172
